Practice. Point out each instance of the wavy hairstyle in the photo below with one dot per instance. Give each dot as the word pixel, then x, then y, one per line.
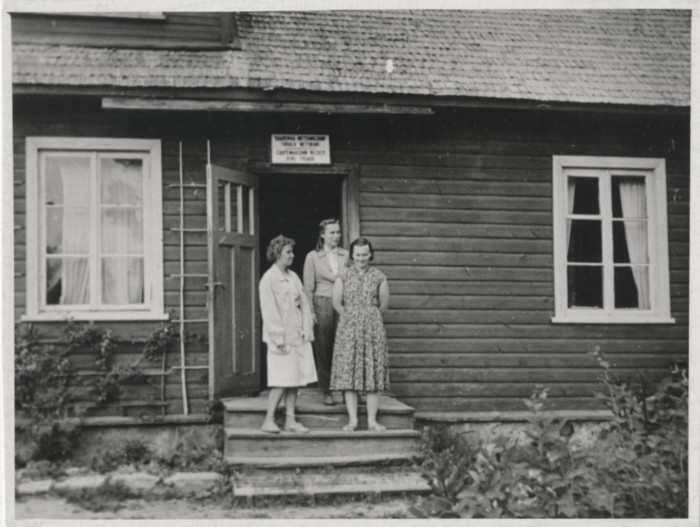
pixel 274 249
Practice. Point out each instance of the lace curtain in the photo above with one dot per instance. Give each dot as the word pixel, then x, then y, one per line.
pixel 122 231
pixel 633 198
pixel 121 260
pixel 68 205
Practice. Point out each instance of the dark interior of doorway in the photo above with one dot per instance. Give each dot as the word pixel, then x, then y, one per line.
pixel 294 205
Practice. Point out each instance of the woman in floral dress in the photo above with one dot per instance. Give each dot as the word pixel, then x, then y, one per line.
pixel 360 356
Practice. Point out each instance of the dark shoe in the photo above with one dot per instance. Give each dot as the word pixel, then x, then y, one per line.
pixel 328 399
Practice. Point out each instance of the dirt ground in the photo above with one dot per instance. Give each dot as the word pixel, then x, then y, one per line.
pixel 54 507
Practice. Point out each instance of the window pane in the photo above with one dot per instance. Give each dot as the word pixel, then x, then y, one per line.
pixel 122 181
pixel 67 281
pixel 122 231
pixel 67 230
pixel 632 287
pixel 122 280
pixel 585 241
pixel 629 197
pixel 630 242
pixel 585 286
pixel 583 194
pixel 67 180
pixel 228 218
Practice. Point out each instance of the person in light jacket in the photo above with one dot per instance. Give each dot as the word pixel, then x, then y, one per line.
pixel 321 269
pixel 288 333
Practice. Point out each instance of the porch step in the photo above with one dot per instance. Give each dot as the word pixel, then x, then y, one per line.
pixel 318 461
pixel 286 483
pixel 249 412
pixel 251 446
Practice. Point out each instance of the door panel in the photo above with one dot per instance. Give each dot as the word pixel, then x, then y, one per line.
pixel 234 349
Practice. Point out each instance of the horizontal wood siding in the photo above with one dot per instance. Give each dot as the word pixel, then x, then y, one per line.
pixel 462 226
pixel 175 30
pixel 459 207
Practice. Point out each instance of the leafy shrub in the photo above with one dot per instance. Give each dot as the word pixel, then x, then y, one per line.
pixel 188 453
pixel 46 398
pixel 636 468
pixel 43 397
pixel 42 374
pixel 134 452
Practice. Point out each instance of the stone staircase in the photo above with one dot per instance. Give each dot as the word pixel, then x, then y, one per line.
pixel 326 443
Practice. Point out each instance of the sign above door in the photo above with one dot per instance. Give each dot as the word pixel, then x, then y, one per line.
pixel 300 149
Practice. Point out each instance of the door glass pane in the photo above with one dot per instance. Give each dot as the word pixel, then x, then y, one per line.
pixel 122 230
pixel 122 181
pixel 629 197
pixel 246 193
pixel 122 280
pixel 67 281
pixel 67 230
pixel 630 242
pixel 583 195
pixel 585 241
pixel 228 207
pixel 585 286
pixel 632 287
pixel 67 180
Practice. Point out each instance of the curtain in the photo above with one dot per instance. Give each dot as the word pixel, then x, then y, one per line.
pixel 571 193
pixel 633 198
pixel 122 231
pixel 68 187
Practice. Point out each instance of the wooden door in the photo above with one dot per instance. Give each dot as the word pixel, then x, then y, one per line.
pixel 232 299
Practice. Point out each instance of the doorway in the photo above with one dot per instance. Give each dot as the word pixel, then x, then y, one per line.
pixel 294 205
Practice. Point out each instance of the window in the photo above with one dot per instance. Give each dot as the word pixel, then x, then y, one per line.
pixel 94 229
pixel 610 240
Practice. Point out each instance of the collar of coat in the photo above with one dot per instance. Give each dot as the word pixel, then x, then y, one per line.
pixel 322 254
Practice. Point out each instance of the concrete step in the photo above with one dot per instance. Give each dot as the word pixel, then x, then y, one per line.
pixel 249 412
pixel 320 461
pixel 315 483
pixel 245 444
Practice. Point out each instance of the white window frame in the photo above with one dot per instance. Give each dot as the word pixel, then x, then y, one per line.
pixel 150 149
pixel 654 171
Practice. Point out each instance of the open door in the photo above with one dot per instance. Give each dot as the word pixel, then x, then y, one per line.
pixel 232 299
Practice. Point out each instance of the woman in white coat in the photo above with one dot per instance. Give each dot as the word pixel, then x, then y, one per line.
pixel 288 332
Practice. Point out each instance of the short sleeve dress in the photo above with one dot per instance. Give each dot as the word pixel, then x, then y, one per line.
pixel 360 353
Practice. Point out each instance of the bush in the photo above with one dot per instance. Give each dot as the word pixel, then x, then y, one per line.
pixel 637 467
pixel 133 453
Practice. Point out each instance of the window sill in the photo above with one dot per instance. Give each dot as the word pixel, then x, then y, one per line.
pixel 588 319
pixel 96 315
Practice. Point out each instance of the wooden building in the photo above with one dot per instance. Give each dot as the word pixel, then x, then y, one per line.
pixel 523 176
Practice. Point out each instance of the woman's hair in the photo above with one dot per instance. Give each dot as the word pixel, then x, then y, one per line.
pixel 322 231
pixel 274 249
pixel 361 242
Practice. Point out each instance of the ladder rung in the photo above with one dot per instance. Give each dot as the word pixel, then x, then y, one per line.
pixel 18 183
pixel 204 367
pixel 19 275
pixel 19 227
pixel 189 275
pixel 192 320
pixel 187 185
pixel 177 229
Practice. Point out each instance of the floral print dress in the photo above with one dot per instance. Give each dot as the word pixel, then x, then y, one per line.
pixel 360 354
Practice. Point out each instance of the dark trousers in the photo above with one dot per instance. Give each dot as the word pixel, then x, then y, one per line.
pixel 324 337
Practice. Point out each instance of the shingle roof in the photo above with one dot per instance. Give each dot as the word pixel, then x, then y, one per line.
pixel 639 57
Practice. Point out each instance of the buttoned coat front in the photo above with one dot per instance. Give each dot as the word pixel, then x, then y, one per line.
pixel 318 275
